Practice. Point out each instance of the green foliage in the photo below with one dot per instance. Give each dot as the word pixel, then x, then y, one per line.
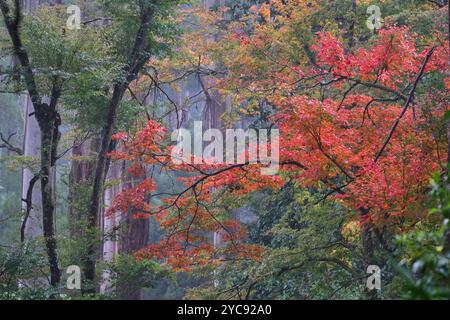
pixel 76 56
pixel 125 22
pixel 308 243
pixel 21 272
pixel 128 275
pixel 312 245
pixel 426 249
pixel 83 62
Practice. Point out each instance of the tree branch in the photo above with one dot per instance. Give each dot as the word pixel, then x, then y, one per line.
pixel 7 145
pixel 29 204
pixel 407 103
pixel 12 25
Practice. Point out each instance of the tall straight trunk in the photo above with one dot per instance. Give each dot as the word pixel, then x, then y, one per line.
pixel 133 233
pixel 31 148
pixel 98 183
pixel 49 140
pixel 109 224
pixel 80 178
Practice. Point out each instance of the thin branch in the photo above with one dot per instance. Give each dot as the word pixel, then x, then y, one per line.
pixel 75 145
pixel 95 20
pixel 168 98
pixel 29 204
pixel 407 103
pixel 377 86
pixel 7 145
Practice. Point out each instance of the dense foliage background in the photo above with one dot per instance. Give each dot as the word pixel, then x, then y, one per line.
pixel 86 178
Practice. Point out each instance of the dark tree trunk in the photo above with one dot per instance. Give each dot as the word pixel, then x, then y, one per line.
pixel 49 121
pixel 447 234
pixel 31 190
pixel 136 61
pixel 98 183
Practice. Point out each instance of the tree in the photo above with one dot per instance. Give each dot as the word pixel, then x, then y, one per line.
pixel 148 20
pixel 350 124
pixel 363 117
pixel 49 122
pixel 68 71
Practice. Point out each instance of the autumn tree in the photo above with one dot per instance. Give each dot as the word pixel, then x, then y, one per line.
pixel 357 123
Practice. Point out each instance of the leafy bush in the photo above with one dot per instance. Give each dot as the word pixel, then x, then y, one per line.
pixel 427 249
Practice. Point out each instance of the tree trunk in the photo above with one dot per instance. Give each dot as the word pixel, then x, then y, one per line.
pixel 134 234
pixel 368 242
pixel 49 121
pixel 109 224
pixel 98 183
pixel 80 176
pixel 31 146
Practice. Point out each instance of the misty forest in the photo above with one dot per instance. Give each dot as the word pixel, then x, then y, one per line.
pixel 224 149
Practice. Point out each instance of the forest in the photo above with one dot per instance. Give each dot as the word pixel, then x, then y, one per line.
pixel 224 150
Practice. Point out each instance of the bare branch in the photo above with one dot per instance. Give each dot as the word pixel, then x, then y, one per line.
pixel 7 144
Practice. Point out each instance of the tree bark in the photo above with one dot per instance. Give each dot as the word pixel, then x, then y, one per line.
pixel 49 142
pixel 80 179
pixel 31 145
pixel 98 183
pixel 49 121
pixel 137 59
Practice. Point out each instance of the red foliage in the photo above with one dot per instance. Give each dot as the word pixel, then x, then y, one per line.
pixel 333 139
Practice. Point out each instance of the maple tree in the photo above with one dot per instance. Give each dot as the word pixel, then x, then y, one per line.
pixel 374 140
pixel 361 126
